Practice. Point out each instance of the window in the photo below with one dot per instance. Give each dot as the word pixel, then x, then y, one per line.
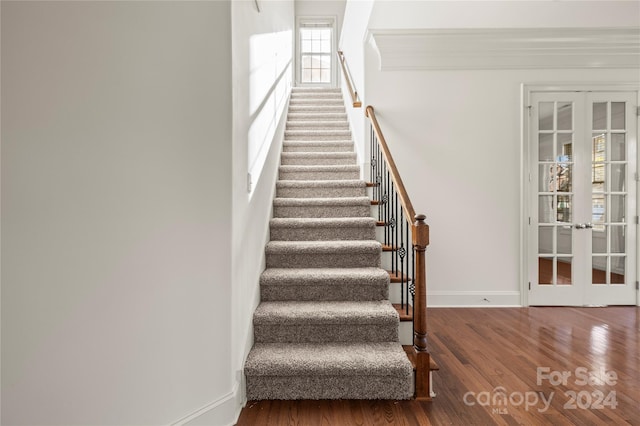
pixel 316 52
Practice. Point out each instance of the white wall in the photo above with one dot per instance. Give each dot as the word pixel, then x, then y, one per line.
pixel 456 137
pixel 352 43
pixel 255 90
pixel 116 211
pixel 322 8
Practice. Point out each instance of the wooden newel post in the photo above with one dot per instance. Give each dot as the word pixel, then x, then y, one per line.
pixel 420 243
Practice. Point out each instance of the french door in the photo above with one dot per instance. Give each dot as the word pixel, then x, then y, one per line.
pixel 583 207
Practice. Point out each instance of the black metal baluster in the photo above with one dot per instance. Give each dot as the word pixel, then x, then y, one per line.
pixel 392 224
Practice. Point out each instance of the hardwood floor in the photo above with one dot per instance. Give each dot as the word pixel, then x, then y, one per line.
pixel 492 355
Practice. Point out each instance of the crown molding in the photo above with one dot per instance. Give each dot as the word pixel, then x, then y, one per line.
pixel 507 48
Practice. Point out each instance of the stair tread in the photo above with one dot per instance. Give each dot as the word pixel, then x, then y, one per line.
pixel 336 276
pixel 334 201
pixel 321 168
pixel 339 358
pixel 402 312
pixel 323 246
pixel 322 142
pixel 337 154
pixel 320 183
pixel 294 116
pixel 397 277
pixel 322 222
pixel 325 312
pixel 313 131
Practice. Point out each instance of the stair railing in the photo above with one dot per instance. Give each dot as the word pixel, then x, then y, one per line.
pixel 406 235
pixel 349 80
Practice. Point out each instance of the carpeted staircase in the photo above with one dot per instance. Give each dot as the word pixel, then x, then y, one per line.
pixel 325 328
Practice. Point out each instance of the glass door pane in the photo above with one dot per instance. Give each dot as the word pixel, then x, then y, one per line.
pixel 608 192
pixel 555 168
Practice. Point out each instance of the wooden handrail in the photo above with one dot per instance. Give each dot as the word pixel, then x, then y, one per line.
pixel 420 241
pixel 410 213
pixel 348 79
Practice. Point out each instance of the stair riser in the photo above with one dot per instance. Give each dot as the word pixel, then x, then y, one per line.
pixel 322 333
pixel 323 125
pixel 335 134
pixel 312 117
pixel 319 175
pixel 318 147
pixel 320 211
pixel 337 259
pixel 324 292
pixel 319 161
pixel 311 89
pixel 316 108
pixel 316 95
pixel 329 387
pixel 321 234
pixel 320 192
pixel 316 102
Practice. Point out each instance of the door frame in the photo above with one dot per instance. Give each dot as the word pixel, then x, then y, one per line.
pixel 526 91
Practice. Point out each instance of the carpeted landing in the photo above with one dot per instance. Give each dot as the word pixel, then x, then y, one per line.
pixel 325 328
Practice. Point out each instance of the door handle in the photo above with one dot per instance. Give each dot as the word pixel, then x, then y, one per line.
pixel 587 225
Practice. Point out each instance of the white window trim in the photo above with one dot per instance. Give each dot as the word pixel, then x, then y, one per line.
pixel 331 22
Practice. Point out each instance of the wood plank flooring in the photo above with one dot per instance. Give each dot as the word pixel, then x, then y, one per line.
pixel 488 360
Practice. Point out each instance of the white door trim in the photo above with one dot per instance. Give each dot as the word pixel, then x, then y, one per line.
pixel 526 90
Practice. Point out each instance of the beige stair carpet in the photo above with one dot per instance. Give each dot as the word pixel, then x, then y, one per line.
pixel 324 328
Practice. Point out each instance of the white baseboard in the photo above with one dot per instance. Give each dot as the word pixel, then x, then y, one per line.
pixel 222 412
pixel 475 299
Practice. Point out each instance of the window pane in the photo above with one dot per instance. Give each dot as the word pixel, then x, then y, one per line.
pixel 546 180
pixel 564 240
pixel 618 177
pixel 545 147
pixel 565 148
pixel 618 266
pixel 545 116
pixel 617 115
pixel 599 240
pixel 617 239
pixel 599 147
pixel 563 177
pixel 600 116
pixel 306 46
pixel 564 211
pixel 565 269
pixel 545 239
pixel 325 76
pixel 306 76
pixel 598 211
pixel 618 147
pixel 315 75
pixel 564 116
pixel 545 270
pixel 325 46
pixel 599 268
pixel 617 208
pixel 545 209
